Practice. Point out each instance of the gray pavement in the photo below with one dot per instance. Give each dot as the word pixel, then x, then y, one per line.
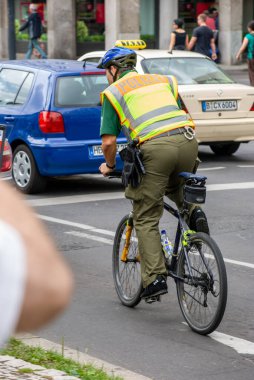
pixel 152 339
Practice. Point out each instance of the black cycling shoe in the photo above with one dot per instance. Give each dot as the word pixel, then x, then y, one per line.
pixel 156 288
pixel 198 221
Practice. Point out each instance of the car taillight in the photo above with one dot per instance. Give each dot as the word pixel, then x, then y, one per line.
pixel 51 122
pixel 252 107
pixel 7 157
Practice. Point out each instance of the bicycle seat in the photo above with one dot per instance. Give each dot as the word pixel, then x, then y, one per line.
pixel 191 176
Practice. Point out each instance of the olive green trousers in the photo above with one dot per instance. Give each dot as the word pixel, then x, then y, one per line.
pixel 164 158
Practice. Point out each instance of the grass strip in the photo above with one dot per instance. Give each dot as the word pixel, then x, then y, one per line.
pixel 53 360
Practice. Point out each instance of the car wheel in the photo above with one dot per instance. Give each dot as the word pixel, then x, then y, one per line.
pixel 25 173
pixel 225 149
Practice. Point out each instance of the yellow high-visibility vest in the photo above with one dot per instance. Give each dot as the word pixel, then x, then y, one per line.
pixel 146 105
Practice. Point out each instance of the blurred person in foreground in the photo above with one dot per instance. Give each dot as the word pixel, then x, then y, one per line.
pixel 202 39
pixel 35 282
pixel 248 43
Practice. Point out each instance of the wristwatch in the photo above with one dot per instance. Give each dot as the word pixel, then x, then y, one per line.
pixel 110 167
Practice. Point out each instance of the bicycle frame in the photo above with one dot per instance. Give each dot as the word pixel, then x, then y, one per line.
pixel 182 228
pixel 182 231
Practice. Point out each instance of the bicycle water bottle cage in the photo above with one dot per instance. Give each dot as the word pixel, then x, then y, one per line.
pixel 194 190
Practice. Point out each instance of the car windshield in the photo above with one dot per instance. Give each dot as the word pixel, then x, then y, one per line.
pixel 77 91
pixel 187 70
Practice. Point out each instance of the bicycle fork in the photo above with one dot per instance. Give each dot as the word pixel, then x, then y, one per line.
pixel 128 232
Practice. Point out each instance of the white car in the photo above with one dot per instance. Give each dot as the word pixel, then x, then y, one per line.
pixel 223 111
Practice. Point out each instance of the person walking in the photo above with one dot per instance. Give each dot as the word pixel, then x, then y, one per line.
pixel 202 39
pixel 248 43
pixel 145 107
pixel 210 19
pixel 179 38
pixel 34 26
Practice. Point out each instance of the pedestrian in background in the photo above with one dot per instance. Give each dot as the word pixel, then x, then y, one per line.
pixel 179 38
pixel 34 26
pixel 210 19
pixel 202 39
pixel 248 43
pixel 36 54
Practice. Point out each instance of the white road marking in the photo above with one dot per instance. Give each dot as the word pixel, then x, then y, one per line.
pixel 75 199
pixel 91 237
pixel 120 195
pixel 111 233
pixel 241 263
pixel 245 166
pixel 241 346
pixel 78 225
pixel 207 169
pixel 231 186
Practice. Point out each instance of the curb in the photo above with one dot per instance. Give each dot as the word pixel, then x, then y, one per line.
pixel 12 368
pixel 111 369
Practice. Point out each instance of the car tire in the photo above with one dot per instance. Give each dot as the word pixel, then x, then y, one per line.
pixel 25 172
pixel 225 149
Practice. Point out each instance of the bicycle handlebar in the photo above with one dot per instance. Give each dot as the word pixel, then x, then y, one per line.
pixel 114 174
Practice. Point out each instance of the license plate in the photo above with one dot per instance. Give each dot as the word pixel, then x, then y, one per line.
pixel 97 150
pixel 219 105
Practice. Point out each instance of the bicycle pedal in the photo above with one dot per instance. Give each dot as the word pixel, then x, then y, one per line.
pixel 153 299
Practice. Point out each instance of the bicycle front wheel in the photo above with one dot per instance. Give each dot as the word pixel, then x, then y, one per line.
pixel 202 289
pixel 126 263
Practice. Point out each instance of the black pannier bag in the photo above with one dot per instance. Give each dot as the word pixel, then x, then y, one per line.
pixel 194 193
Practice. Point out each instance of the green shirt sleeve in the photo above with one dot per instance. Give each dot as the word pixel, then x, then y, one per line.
pixel 110 124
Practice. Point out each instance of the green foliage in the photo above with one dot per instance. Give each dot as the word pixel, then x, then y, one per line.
pixel 81 31
pixel 44 37
pixel 147 37
pixel 97 38
pixel 20 35
pixel 50 359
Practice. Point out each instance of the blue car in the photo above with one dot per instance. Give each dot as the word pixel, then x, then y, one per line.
pixel 51 110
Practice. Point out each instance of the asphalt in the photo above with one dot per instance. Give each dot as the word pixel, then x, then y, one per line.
pixel 11 368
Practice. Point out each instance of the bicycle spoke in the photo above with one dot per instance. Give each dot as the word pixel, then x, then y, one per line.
pixel 202 294
pixel 127 273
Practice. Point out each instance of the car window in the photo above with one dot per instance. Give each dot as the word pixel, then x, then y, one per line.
pixel 10 82
pixel 187 70
pixel 83 90
pixel 24 90
pixel 92 59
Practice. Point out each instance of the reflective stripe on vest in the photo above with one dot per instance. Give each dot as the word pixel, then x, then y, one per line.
pixel 146 105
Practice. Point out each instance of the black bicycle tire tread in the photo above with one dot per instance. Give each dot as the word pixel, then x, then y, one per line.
pixel 223 277
pixel 135 301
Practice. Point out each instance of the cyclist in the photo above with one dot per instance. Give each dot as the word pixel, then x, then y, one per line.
pixel 146 107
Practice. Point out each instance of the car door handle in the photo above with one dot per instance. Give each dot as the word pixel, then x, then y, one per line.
pixel 9 118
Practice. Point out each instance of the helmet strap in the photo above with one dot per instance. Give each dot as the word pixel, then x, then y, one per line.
pixel 114 76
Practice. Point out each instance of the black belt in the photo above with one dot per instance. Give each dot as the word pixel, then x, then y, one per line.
pixel 177 131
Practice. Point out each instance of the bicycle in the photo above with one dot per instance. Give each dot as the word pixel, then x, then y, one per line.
pixel 197 265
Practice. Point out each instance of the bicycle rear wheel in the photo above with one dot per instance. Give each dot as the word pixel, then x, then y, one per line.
pixel 126 263
pixel 202 294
